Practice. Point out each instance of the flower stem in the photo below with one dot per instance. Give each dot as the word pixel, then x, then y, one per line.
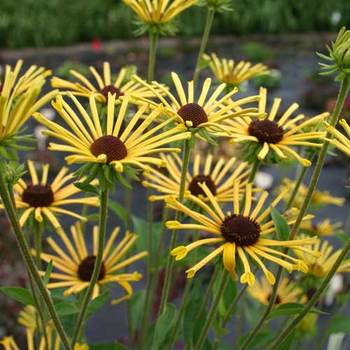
pixel 153 43
pixel 297 185
pixel 286 331
pixel 98 264
pixel 254 170
pixel 212 311
pixel 27 258
pixel 343 91
pixel 170 261
pixel 204 42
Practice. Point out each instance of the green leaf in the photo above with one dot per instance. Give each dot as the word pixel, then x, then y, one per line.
pixel 119 210
pixel 65 308
pixel 21 295
pixel 281 225
pixel 290 309
pixel 164 325
pixel 97 303
pixel 339 324
pixel 136 306
pixel 85 187
pixel 110 346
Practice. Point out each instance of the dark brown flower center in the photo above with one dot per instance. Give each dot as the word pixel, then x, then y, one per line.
pixel 38 195
pixel 266 131
pixel 111 89
pixel 277 301
pixel 240 230
pixel 1 87
pixel 86 268
pixel 111 146
pixel 196 190
pixel 194 113
pixel 310 293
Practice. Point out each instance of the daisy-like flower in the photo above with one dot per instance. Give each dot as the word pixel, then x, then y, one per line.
pixel 234 73
pixel 158 11
pixel 28 320
pixel 19 97
pixel 41 198
pixel 341 141
pixel 321 228
pixel 206 111
pixel 104 84
pixel 218 176
pixel 117 144
pixel 321 265
pixel 288 292
pixel 240 234
pixel 318 199
pixel 276 134
pixel 76 264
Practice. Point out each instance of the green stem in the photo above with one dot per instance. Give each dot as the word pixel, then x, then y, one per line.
pixel 343 91
pixel 204 42
pixel 212 311
pixel 170 261
pixel 98 264
pixel 153 43
pixel 254 170
pixel 286 331
pixel 27 258
pixel 297 185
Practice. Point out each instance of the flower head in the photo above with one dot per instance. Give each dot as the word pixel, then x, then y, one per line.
pixel 40 198
pixel 320 228
pixel 274 136
pixel 76 265
pixel 118 144
pixel 321 265
pixel 318 199
pixel 205 112
pixel 104 84
pixel 19 98
pixel 287 292
pixel 218 176
pixel 233 73
pixel 239 234
pixel 158 11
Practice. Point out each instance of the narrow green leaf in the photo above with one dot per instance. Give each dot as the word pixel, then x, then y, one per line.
pixel 86 187
pixel 65 308
pixel 164 325
pixel 48 273
pixel 281 225
pixel 339 324
pixel 97 303
pixel 119 210
pixel 21 295
pixel 290 309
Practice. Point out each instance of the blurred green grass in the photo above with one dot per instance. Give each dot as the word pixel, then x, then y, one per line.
pixel 41 23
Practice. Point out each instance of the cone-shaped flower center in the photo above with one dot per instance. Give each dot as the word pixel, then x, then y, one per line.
pixel 86 268
pixel 196 190
pixel 266 131
pixel 277 301
pixel 111 89
pixel 240 230
pixel 38 195
pixel 111 146
pixel 194 113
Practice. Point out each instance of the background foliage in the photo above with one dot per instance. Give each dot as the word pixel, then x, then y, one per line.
pixel 38 23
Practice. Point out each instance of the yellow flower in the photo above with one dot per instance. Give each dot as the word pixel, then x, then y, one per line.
pixel 206 111
pixel 321 228
pixel 40 198
pixel 217 176
pixel 234 73
pixel 76 264
pixel 240 234
pixel 288 292
pixel 19 97
pixel 105 84
pixel 319 198
pixel 276 137
pixel 341 141
pixel 118 144
pixel 28 319
pixel 320 266
pixel 158 11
